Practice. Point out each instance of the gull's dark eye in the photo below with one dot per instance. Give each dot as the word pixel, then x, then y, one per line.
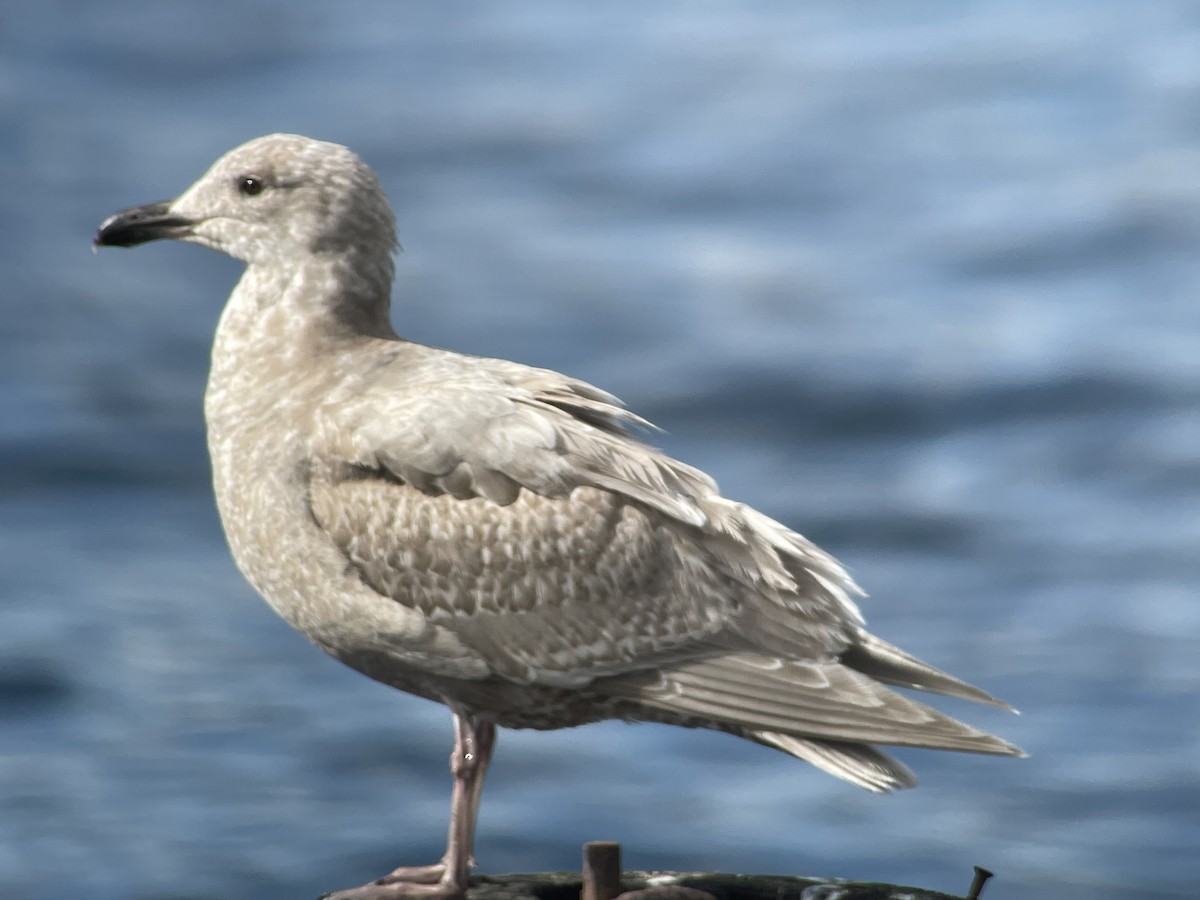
pixel 250 185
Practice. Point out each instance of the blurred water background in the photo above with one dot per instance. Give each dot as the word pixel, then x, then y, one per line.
pixel 918 278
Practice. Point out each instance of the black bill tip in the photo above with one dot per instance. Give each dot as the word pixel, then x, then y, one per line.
pixel 140 224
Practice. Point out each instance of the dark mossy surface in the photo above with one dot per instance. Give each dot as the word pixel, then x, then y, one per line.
pixel 567 885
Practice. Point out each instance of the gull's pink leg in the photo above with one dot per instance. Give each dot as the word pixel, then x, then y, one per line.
pixel 448 879
pixel 474 742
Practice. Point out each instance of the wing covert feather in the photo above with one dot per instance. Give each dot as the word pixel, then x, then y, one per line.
pixel 553 591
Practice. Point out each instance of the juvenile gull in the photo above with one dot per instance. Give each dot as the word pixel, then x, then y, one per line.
pixel 497 537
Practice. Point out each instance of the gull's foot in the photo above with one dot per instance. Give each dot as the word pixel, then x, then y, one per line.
pixel 406 883
pixel 416 874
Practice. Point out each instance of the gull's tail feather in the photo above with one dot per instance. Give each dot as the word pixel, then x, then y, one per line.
pixel 824 713
pixel 860 764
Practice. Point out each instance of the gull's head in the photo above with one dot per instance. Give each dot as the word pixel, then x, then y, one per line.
pixel 271 199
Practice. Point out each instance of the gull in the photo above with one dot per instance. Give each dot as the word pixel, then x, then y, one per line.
pixel 496 537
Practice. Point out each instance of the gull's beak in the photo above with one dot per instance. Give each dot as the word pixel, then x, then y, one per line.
pixel 140 224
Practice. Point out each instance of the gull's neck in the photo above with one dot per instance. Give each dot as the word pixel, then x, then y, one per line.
pixel 281 321
pixel 318 298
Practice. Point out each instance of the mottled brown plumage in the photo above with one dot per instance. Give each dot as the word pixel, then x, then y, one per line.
pixel 496 537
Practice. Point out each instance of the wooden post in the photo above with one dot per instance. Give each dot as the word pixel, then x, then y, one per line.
pixel 601 870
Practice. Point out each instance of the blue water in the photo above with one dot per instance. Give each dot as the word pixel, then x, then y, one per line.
pixel 919 279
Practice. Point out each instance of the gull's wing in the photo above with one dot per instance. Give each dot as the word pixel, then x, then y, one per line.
pixel 514 507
